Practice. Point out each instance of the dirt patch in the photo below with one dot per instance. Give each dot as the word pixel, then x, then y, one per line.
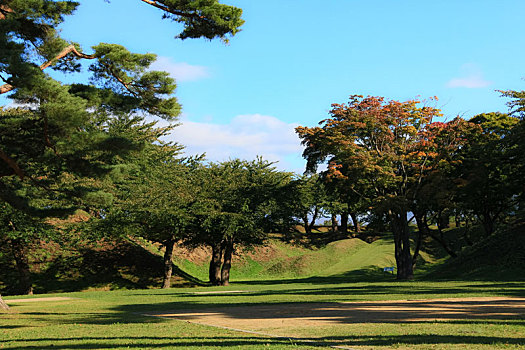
pixel 260 317
pixel 260 253
pixel 198 256
pixel 33 300
pixel 220 292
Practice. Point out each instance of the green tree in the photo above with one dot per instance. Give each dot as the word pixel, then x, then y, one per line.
pixel 156 201
pixel 485 169
pixel 18 232
pixel 515 145
pixel 58 138
pixel 306 194
pixel 236 205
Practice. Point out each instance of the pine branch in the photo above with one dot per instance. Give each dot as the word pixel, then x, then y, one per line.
pixel 66 51
pixel 12 164
pixel 165 8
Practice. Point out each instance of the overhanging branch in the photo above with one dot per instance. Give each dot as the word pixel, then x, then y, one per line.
pixel 71 49
pixel 165 8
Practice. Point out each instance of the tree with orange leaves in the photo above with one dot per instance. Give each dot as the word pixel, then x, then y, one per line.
pixel 383 150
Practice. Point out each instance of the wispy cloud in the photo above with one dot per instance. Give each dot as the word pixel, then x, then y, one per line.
pixel 181 71
pixel 245 137
pixel 471 78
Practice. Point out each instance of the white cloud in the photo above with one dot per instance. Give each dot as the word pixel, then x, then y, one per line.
pixel 245 137
pixel 471 78
pixel 181 71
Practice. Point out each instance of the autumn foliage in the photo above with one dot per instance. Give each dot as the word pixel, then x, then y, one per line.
pixel 383 150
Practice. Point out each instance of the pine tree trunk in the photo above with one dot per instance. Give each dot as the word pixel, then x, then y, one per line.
pixel 3 305
pixel 168 263
pixel 344 222
pixel 227 264
pixel 399 225
pixel 22 265
pixel 215 265
pixel 357 227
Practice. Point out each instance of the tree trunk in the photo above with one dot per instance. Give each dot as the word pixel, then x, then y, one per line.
pixel 488 223
pixel 399 225
pixel 168 263
pixel 22 265
pixel 357 227
pixel 215 264
pixel 443 220
pixel 421 232
pixel 457 219
pixel 467 232
pixel 307 228
pixel 314 217
pixel 344 222
pixel 334 223
pixel 227 264
pixel 422 225
pixel 3 305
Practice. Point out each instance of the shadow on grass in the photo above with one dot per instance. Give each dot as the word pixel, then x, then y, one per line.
pixel 416 339
pixel 369 274
pixel 150 342
pixel 234 341
pixel 226 305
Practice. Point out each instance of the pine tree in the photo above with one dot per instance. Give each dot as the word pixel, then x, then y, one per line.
pixel 66 139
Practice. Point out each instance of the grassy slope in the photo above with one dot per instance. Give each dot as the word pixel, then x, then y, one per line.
pixel 129 265
pixel 499 257
pixel 281 260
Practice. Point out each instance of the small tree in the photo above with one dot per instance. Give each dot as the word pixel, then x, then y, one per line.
pixel 306 196
pixel 19 232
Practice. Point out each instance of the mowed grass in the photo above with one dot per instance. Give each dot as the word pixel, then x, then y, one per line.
pixel 114 320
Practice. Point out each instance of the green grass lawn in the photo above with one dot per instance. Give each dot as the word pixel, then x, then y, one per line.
pixel 113 320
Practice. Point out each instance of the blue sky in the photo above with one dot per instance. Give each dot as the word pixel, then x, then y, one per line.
pixel 294 58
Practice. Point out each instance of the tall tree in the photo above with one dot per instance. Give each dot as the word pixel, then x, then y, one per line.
pixel 59 133
pixel 380 149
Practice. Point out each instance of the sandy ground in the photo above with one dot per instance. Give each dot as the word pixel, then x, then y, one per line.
pixel 260 317
pixel 32 300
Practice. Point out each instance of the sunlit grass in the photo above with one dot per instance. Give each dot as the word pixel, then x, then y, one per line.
pixel 114 319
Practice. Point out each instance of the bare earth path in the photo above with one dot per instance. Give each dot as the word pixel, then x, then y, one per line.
pixel 260 317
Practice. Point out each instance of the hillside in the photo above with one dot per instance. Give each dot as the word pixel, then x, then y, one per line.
pixel 130 264
pixel 498 257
